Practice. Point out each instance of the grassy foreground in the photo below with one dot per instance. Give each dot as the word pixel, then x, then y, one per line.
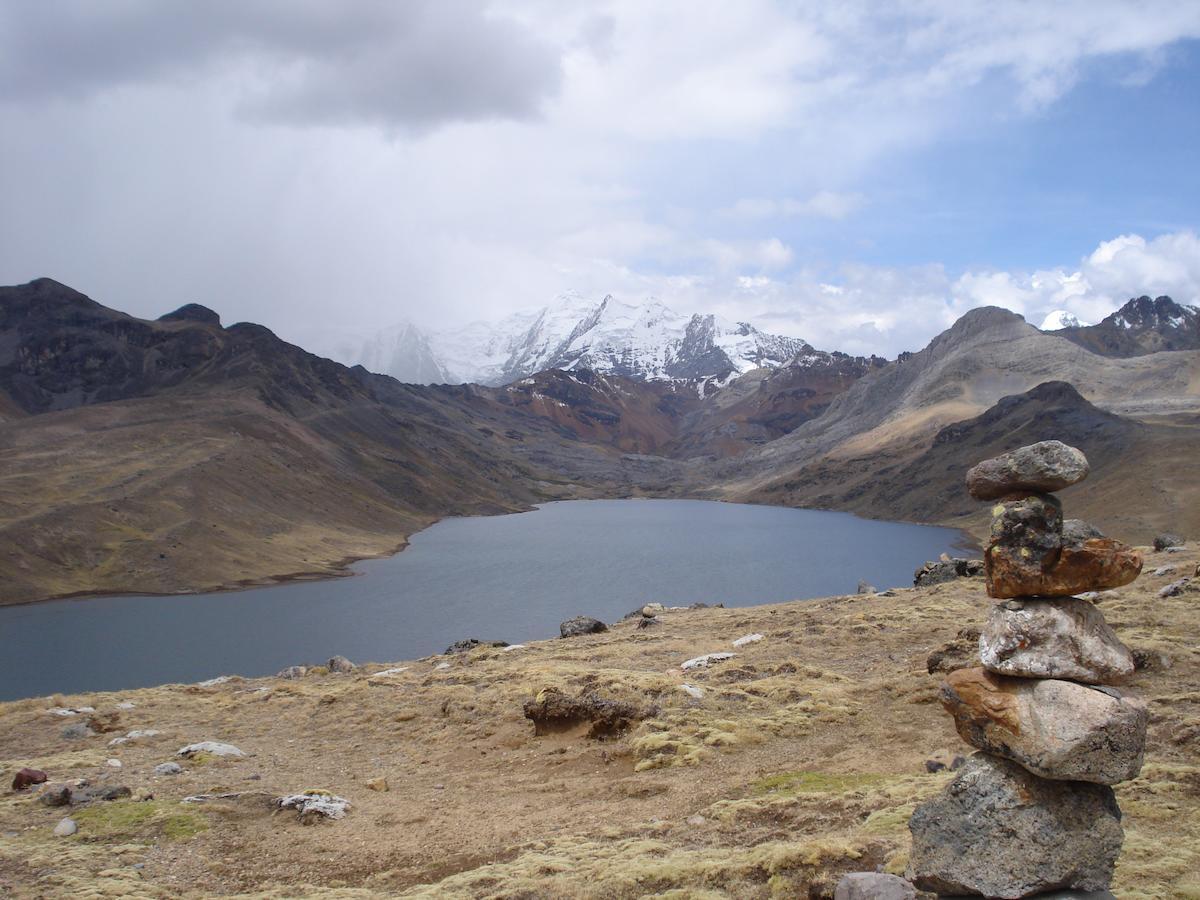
pixel 801 761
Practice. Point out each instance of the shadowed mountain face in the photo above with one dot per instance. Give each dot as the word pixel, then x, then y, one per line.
pixel 1141 326
pixel 176 454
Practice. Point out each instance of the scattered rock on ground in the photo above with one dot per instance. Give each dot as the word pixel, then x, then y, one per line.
pixel 468 644
pixel 54 795
pixel 315 805
pixel 652 609
pixel 216 748
pixel 1000 831
pixel 1045 466
pixel 1163 541
pixel 27 778
pixel 293 672
pixel 703 662
pixel 873 886
pixel 339 665
pixel 1151 660
pixel 213 682
pixel 865 587
pixel 692 691
pixel 378 784
pixel 648 622
pixel 747 639
pixel 65 828
pixel 960 653
pixel 1055 729
pixel 581 625
pixel 552 711
pixel 1176 588
pixel 77 731
pixel 948 569
pixel 168 768
pixel 1053 638
pixel 89 792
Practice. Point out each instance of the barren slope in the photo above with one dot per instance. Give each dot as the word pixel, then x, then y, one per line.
pixel 802 760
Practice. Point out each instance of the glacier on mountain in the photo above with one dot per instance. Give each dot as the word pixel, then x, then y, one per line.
pixel 647 340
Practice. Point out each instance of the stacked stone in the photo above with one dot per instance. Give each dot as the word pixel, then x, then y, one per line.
pixel 1034 810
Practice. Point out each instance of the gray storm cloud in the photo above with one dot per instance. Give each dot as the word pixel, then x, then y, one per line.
pixel 408 65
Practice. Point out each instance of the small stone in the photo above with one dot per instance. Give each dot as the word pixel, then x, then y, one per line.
pixel 692 691
pixel 1055 729
pixel 999 831
pixel 65 828
pixel 339 665
pixel 646 622
pixel 696 821
pixel 1176 588
pixel 1058 638
pixel 1167 540
pixel 77 731
pixel 444 665
pixel 873 886
pixel 113 763
pixel 314 805
pixel 581 625
pixel 214 682
pixel 125 704
pixel 652 609
pixel 215 748
pixel 747 639
pixel 1162 571
pixel 865 587
pixel 1151 660
pixel 55 795
pixel 168 768
pixel 27 778
pixel 378 784
pixel 1044 467
pixel 703 662
pixel 292 672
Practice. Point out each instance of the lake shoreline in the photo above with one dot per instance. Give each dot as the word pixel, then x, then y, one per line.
pixel 341 567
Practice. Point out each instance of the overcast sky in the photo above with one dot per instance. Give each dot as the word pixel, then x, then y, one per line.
pixel 857 174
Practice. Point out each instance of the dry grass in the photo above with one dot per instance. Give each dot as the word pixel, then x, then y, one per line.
pixel 802 760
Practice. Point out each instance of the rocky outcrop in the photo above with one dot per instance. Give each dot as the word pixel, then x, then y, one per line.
pixel 1000 831
pixel 1063 638
pixel 1056 729
pixel 946 569
pixel 552 711
pixel 1034 810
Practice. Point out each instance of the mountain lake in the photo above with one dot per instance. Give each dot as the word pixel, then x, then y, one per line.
pixel 510 577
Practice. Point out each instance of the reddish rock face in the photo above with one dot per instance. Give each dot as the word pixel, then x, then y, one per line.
pixel 1097 564
pixel 27 777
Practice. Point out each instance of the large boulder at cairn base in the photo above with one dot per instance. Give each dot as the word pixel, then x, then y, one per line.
pixel 1097 564
pixel 998 831
pixel 873 886
pixel 1055 729
pixel 1053 638
pixel 1044 467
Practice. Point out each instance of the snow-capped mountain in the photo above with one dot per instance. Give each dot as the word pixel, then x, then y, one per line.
pixel 403 352
pixel 647 341
pixel 1141 326
pixel 1059 319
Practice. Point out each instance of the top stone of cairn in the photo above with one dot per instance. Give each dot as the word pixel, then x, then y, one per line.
pixel 1044 467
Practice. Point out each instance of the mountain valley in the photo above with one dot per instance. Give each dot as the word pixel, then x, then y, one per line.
pixel 180 455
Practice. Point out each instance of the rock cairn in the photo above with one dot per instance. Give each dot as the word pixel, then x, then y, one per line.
pixel 1034 810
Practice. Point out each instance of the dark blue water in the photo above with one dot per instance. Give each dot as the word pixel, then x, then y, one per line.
pixel 510 578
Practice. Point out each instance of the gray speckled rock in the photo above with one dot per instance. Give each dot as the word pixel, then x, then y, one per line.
pixel 581 625
pixel 873 886
pixel 999 831
pixel 1055 729
pixel 1045 466
pixel 1053 638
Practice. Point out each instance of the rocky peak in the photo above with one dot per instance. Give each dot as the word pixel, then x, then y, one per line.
pixel 1143 313
pixel 192 312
